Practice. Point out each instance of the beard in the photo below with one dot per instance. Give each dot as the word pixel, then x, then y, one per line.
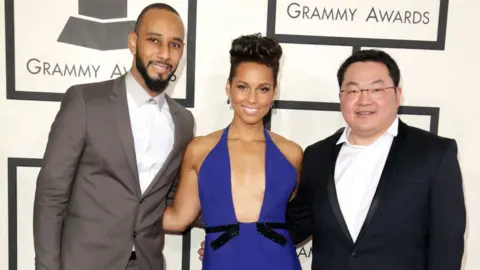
pixel 157 85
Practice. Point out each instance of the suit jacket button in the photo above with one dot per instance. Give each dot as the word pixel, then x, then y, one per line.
pixel 354 254
pixel 141 201
pixel 134 234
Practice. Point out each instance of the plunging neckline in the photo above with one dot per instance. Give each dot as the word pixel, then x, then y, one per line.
pixel 230 184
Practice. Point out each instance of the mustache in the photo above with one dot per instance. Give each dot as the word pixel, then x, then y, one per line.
pixel 159 62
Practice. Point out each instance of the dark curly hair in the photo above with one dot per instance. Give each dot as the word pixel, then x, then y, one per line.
pixel 258 49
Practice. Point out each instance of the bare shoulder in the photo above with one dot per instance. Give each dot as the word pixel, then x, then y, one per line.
pixel 290 149
pixel 200 146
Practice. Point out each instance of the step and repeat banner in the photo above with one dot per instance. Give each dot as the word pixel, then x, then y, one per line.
pixel 51 45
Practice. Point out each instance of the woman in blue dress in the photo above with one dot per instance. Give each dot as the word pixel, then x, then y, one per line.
pixel 242 177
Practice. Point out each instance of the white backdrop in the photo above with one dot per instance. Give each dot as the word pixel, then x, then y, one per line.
pixel 437 58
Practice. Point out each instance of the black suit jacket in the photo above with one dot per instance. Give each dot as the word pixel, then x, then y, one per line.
pixel 417 217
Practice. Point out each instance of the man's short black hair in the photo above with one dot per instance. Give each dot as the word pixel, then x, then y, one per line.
pixel 150 7
pixel 377 56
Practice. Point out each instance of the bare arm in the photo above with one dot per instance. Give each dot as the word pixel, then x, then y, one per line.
pixel 171 194
pixel 186 205
pixel 294 154
pixel 299 216
pixel 297 159
pixel 171 197
pixel 60 162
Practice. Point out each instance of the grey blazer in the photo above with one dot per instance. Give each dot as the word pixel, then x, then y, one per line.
pixel 89 210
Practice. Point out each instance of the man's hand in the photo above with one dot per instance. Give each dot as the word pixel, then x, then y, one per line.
pixel 201 250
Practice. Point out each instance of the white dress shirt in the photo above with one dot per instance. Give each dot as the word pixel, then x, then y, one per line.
pixel 357 173
pixel 152 128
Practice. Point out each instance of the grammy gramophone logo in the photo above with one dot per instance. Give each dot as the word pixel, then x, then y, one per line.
pixel 102 25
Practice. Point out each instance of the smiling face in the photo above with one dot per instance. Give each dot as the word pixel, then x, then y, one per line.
pixel 157 46
pixel 369 113
pixel 251 92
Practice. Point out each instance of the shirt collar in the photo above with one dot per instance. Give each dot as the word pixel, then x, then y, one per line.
pixel 392 130
pixel 139 95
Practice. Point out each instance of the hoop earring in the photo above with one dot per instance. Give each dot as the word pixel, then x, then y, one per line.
pixel 228 101
pixel 173 78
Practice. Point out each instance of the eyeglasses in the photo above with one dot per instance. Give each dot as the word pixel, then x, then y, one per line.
pixel 375 93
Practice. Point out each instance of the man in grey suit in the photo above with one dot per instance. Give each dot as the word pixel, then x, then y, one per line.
pixel 112 160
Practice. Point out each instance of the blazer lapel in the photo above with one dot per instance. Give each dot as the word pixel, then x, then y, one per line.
pixel 179 130
pixel 332 192
pixel 387 173
pixel 118 100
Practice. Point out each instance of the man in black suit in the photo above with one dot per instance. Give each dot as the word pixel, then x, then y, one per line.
pixel 379 194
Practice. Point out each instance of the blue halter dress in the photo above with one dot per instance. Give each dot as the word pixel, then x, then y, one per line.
pixel 232 245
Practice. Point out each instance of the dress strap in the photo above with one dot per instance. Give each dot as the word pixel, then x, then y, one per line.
pixel 267 135
pixel 225 133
